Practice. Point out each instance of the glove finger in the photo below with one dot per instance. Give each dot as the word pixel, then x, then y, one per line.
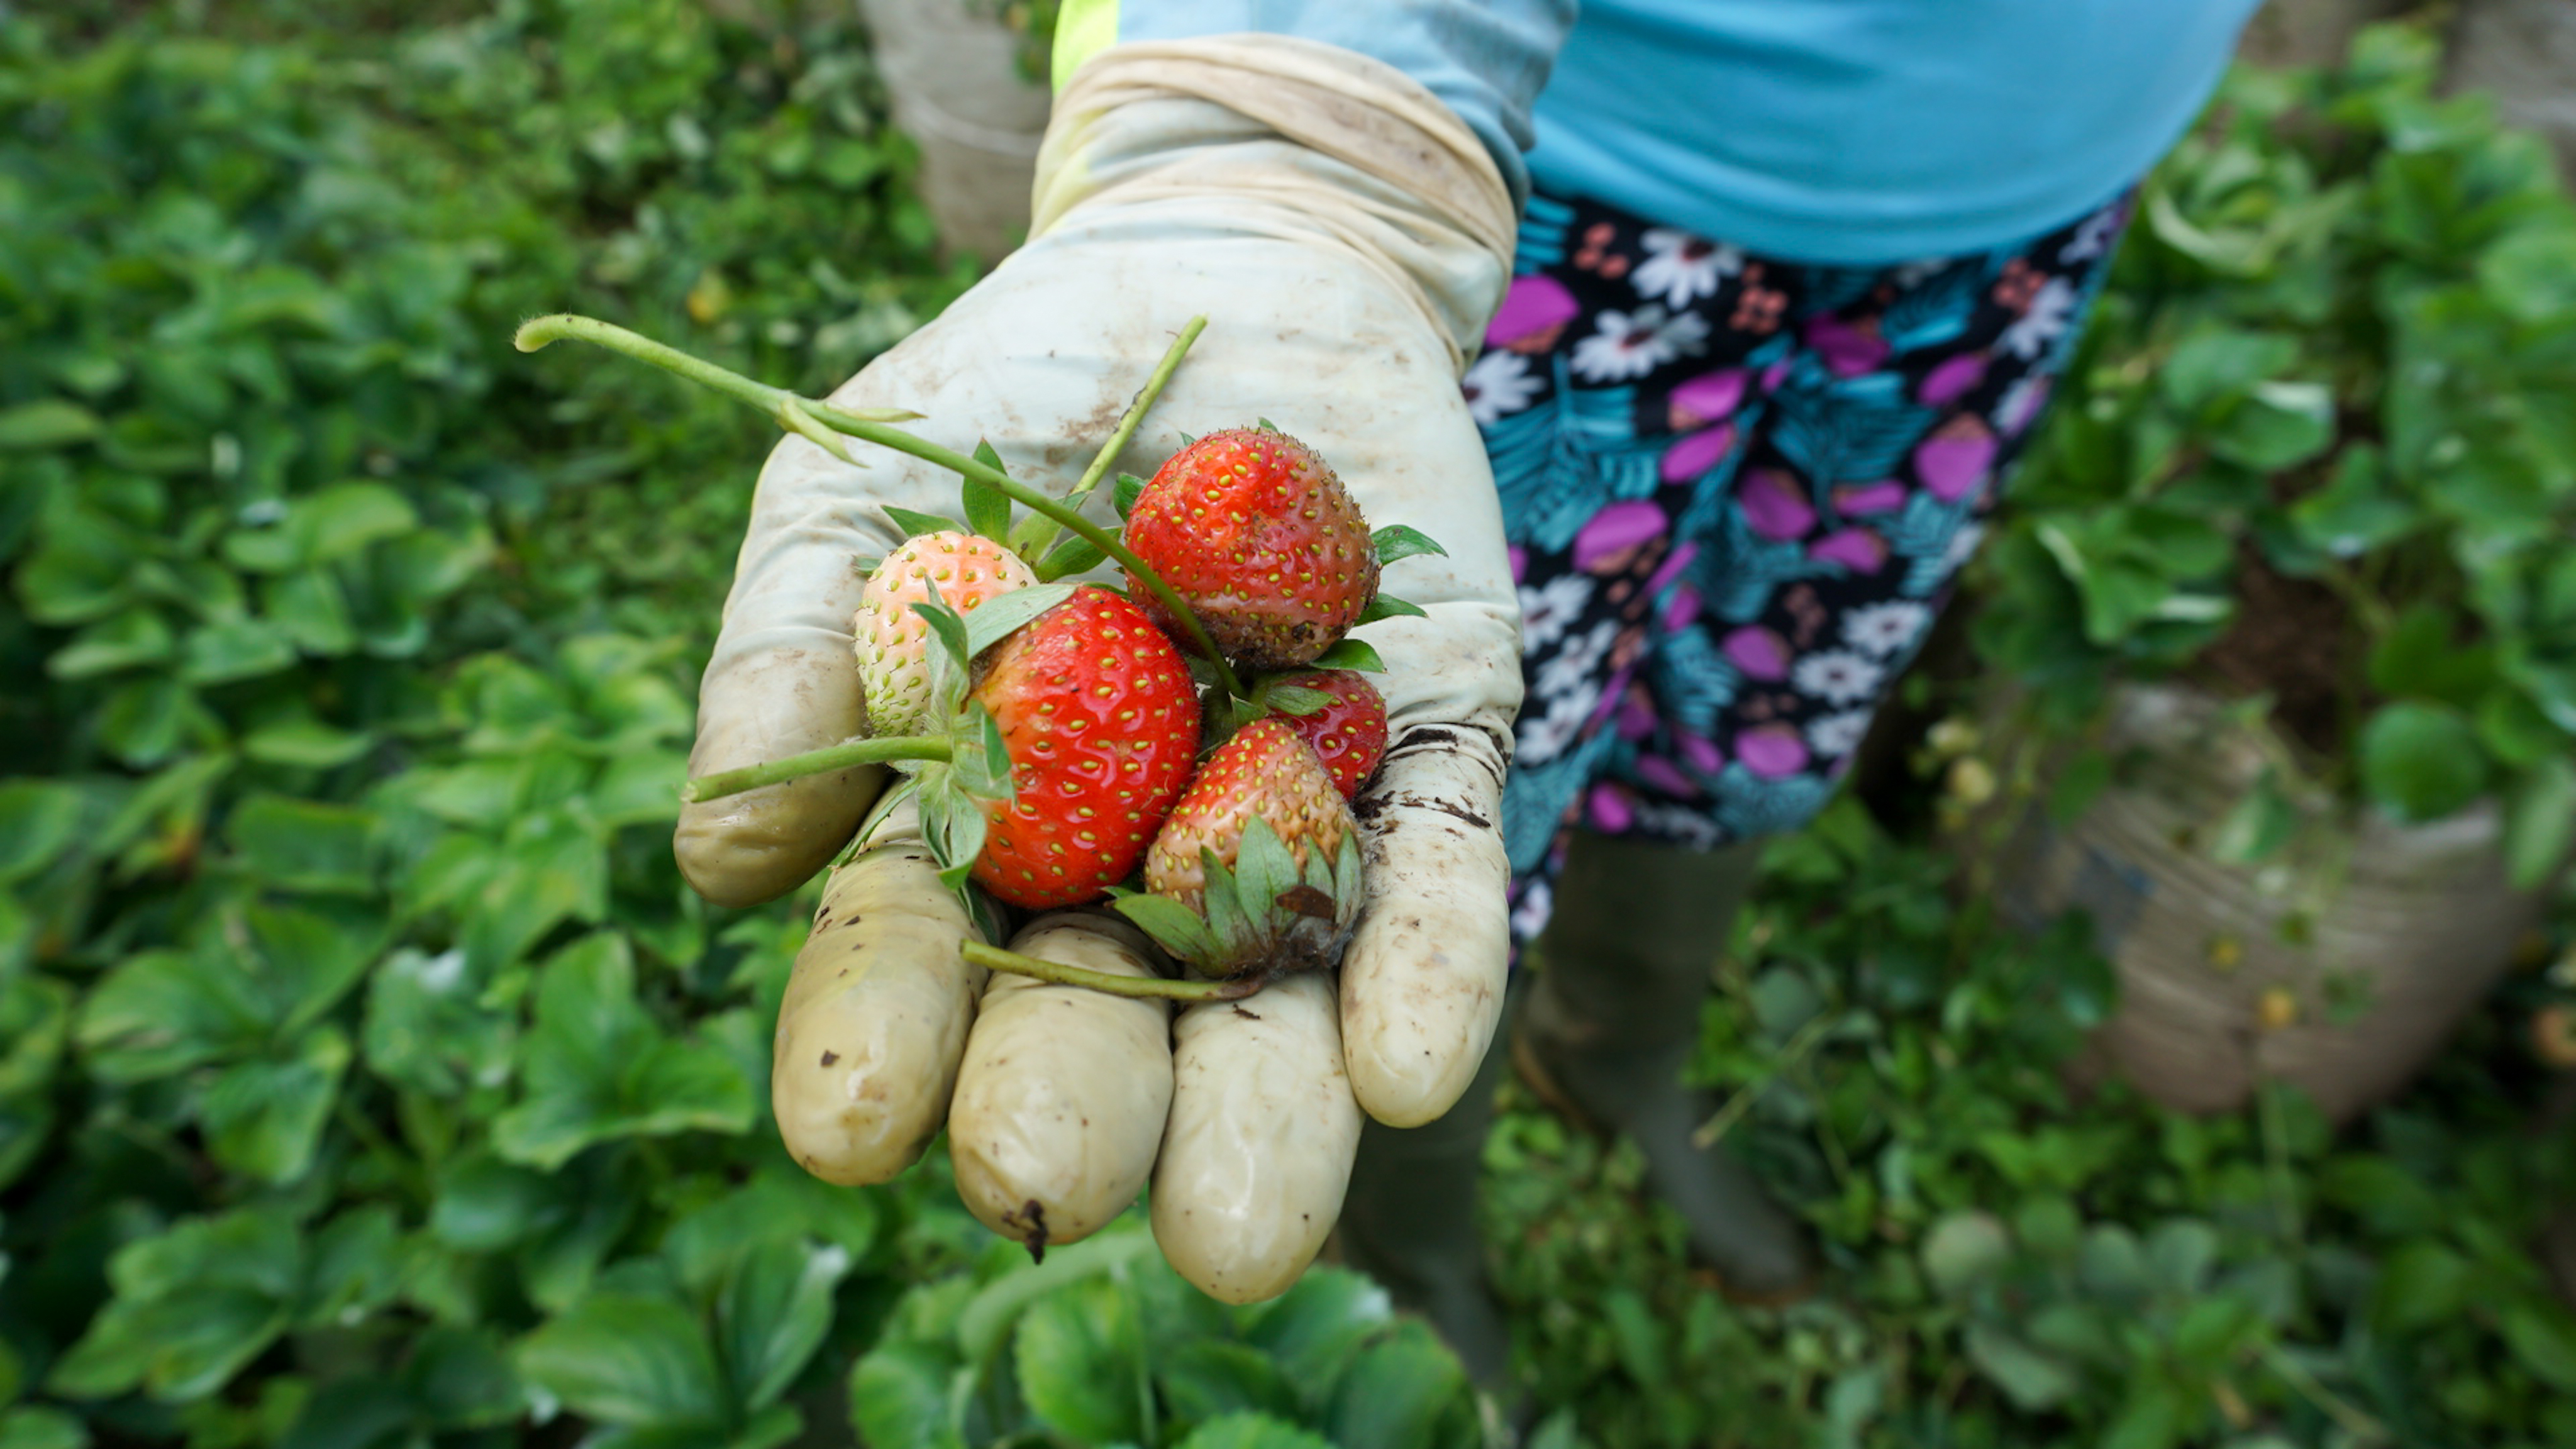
pixel 1063 1096
pixel 1263 1132
pixel 875 1018
pixel 783 681
pixel 1422 982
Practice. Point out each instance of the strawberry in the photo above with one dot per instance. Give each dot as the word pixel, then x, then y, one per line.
pixel 1258 868
pixel 892 641
pixel 1347 732
pixel 1257 536
pixel 1100 719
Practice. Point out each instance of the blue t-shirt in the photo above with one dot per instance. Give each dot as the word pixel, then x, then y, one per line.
pixel 1845 131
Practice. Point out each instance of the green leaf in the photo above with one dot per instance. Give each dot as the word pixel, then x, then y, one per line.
pixel 987 508
pixel 2277 426
pixel 625 1358
pixel 773 1313
pixel 160 1012
pixel 1965 1249
pixel 193 1306
pixel 1350 654
pixel 1388 606
pixel 2032 1379
pixel 45 424
pixel 305 744
pixel 2259 825
pixel 264 1119
pixel 2422 657
pixel 1129 486
pixel 128 640
pixel 1313 1328
pixel 2540 822
pixel 2531 274
pixel 234 649
pixel 914 525
pixel 1395 543
pixel 484 1204
pixel 1398 1392
pixel 1080 1355
pixel 1173 926
pixel 2543 1336
pixel 304 845
pixel 2421 761
pixel 989 622
pixel 37 819
pixel 899 1395
pixel 461 1379
pixel 1296 699
pixel 2422 1284
pixel 342 519
pixel 1204 1378
pixel 40 1426
pixel 1070 557
pixel 2356 511
pixel 358 1263
pixel 596 1068
pixel 1252 1431
pixel 2180 1255
pixel 2219 363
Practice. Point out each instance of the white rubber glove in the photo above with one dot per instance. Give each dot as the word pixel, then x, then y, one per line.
pixel 1347 238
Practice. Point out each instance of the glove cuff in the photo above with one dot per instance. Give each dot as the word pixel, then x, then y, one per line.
pixel 1298 139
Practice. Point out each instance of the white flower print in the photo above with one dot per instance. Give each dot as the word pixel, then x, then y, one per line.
pixel 2052 309
pixel 1632 344
pixel 1837 676
pixel 1679 824
pixel 1913 274
pixel 1880 630
pixel 2093 238
pixel 1836 735
pixel 1530 916
pixel 1680 267
pixel 1574 666
pixel 1549 608
pixel 1543 737
pixel 2020 404
pixel 1497 386
pixel 1963 546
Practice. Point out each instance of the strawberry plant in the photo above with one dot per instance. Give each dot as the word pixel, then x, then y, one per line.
pixel 2317 450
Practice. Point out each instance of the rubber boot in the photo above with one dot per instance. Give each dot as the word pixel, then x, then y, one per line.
pixel 1608 1027
pixel 1409 1221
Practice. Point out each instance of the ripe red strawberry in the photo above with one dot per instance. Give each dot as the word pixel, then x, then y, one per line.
pixel 1349 734
pixel 892 641
pixel 1258 868
pixel 1263 543
pixel 1101 721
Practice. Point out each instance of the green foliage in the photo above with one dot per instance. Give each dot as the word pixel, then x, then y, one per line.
pixel 1105 1344
pixel 2331 376
pixel 2013 1261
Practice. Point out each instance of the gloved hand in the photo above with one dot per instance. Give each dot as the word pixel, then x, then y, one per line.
pixel 1347 237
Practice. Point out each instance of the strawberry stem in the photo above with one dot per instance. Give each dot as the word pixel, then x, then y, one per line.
pixel 814 762
pixel 875 425
pixel 1138 987
pixel 1134 415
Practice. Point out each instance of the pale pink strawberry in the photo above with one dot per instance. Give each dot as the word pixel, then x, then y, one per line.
pixel 892 641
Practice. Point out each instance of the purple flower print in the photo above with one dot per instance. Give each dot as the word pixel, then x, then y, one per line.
pixel 1774 375
pixel 1773 752
pixel 1615 533
pixel 1519 557
pixel 1533 315
pixel 1666 776
pixel 1707 398
pixel 1953 461
pixel 1759 652
pixel 1609 810
pixel 1855 548
pixel 1696 453
pixel 1951 380
pixel 1848 350
pixel 1681 610
pixel 1775 506
pixel 1884 496
pixel 1636 715
pixel 1699 752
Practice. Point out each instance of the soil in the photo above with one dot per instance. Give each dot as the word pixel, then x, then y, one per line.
pixel 2295 640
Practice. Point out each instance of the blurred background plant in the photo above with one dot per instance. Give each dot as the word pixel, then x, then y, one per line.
pixel 368 1077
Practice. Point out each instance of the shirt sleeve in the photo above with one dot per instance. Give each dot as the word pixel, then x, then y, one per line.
pixel 1485 59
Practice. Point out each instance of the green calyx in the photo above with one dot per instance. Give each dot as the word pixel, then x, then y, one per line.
pixel 1263 918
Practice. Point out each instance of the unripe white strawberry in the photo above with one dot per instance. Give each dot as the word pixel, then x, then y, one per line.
pixel 893 642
